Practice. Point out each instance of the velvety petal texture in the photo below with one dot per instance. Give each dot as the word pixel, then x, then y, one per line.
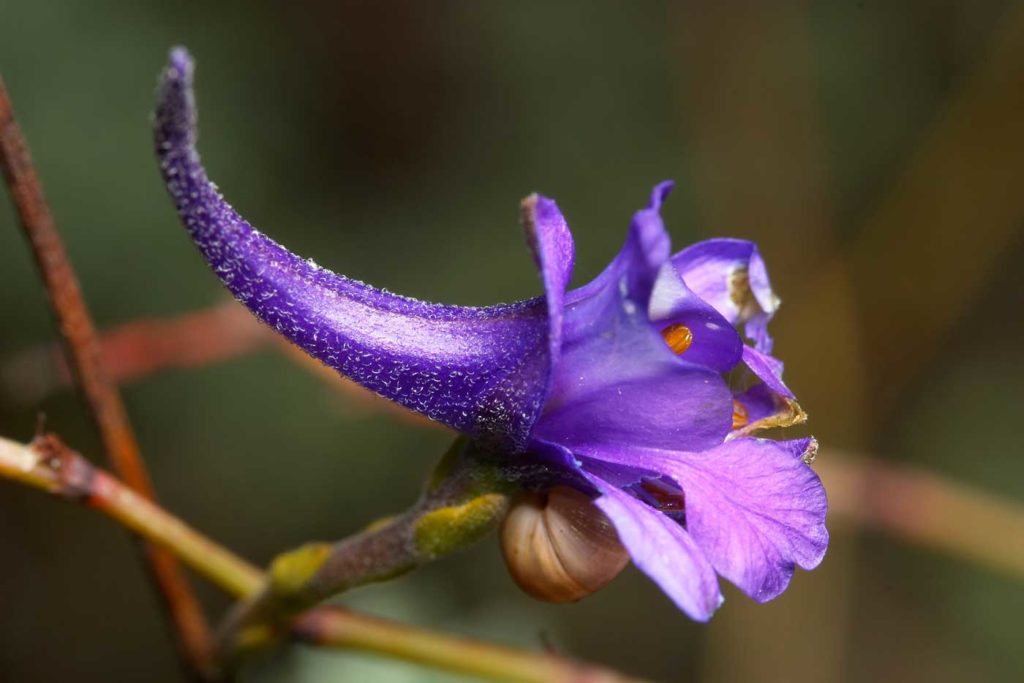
pixel 715 343
pixel 767 369
pixel 617 381
pixel 663 550
pixel 482 371
pixel 731 276
pixel 753 507
pixel 550 242
pixel 758 402
pixel 756 511
pixel 576 387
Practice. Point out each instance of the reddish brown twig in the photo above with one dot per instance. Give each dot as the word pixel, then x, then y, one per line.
pixel 101 395
pixel 141 348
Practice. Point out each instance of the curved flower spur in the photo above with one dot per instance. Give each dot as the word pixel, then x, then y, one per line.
pixel 607 404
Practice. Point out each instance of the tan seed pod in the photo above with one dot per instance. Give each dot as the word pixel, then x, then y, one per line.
pixel 558 546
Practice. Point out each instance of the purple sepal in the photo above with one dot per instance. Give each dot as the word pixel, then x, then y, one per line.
pixel 663 550
pixel 482 371
pixel 767 369
pixel 617 381
pixel 753 507
pixel 731 276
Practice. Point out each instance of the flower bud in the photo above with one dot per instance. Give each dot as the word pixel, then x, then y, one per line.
pixel 558 546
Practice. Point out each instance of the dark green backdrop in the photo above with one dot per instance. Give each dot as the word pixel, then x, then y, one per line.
pixel 870 147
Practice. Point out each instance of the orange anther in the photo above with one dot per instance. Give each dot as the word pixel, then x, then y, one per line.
pixel 740 418
pixel 678 337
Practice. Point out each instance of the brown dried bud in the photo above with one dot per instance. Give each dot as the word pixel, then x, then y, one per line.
pixel 558 546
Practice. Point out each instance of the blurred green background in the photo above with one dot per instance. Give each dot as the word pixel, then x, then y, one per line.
pixel 874 149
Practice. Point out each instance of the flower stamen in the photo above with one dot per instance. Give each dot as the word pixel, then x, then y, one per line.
pixel 678 337
pixel 740 417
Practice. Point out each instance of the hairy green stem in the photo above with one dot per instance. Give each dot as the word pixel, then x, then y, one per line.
pixel 49 466
pixel 463 501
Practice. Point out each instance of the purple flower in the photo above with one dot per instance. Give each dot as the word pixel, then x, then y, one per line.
pixel 617 388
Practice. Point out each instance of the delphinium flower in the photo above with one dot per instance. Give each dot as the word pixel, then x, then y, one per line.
pixel 639 392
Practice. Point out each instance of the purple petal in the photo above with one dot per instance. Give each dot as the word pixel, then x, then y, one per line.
pixel 753 507
pixel 756 330
pixel 730 275
pixel 663 550
pixel 626 397
pixel 767 369
pixel 542 466
pixel 550 241
pixel 483 371
pixel 715 342
pixel 757 512
pixel 652 244
pixel 617 381
pixel 806 449
pixel 759 402
pixel 631 275
pixel 546 464
pixel 619 476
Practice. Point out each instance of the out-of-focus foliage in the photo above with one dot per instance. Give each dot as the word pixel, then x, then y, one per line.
pixel 392 142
